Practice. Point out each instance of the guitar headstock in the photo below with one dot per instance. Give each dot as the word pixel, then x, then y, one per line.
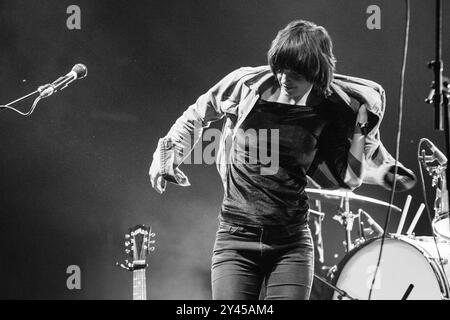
pixel 138 245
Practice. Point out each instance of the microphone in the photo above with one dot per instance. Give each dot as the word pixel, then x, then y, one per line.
pixel 437 154
pixel 78 71
pixel 373 225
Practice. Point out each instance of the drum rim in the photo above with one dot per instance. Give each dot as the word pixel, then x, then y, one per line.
pixel 443 283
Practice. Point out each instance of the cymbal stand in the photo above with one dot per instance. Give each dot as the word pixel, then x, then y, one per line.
pixel 361 231
pixel 346 217
pixel 440 92
pixel 438 175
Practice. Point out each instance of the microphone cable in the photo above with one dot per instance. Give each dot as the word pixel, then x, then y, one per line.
pixel 397 146
pixel 28 113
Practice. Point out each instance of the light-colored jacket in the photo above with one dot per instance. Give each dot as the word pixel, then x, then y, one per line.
pixel 232 99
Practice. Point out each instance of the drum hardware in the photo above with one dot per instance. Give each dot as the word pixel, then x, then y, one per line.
pixel 444 261
pixel 346 218
pixel 321 215
pixel 416 218
pixel 374 227
pixel 408 291
pixel 402 236
pixel 364 234
pixel 358 242
pixel 413 224
pixel 341 293
pixel 441 220
pixel 344 215
pixel 347 221
pixel 404 214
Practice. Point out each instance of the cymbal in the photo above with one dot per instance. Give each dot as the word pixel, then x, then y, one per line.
pixel 333 195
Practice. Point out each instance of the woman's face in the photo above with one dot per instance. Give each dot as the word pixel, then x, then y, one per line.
pixel 293 83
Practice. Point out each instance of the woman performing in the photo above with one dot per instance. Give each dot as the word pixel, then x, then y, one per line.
pixel 313 123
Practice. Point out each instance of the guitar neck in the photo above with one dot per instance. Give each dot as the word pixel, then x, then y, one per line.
pixel 139 285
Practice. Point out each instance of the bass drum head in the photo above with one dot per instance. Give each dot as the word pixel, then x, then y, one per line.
pixel 404 262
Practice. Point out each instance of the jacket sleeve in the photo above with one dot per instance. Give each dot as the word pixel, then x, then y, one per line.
pixel 333 169
pixel 380 170
pixel 378 165
pixel 176 146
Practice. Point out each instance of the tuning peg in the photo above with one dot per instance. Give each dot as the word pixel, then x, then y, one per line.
pixel 151 249
pixel 152 241
pixel 152 234
pixel 127 243
pixel 126 266
pixel 127 236
pixel 127 251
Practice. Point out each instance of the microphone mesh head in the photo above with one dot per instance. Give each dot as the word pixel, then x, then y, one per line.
pixel 80 70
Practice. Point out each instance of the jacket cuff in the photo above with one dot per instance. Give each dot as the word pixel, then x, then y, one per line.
pixel 384 176
pixel 167 167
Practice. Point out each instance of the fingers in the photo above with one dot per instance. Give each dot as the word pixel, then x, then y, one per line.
pixel 153 179
pixel 160 185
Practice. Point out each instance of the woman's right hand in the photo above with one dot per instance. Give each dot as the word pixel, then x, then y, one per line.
pixel 156 179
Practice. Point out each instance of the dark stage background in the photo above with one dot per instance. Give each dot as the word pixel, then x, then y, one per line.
pixel 73 176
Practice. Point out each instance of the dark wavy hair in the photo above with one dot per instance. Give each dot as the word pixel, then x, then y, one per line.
pixel 307 49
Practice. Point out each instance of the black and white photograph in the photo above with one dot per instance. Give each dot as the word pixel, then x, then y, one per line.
pixel 234 150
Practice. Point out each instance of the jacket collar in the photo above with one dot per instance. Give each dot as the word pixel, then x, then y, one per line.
pixel 344 88
pixel 264 76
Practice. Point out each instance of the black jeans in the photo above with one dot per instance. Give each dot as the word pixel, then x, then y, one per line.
pixel 245 256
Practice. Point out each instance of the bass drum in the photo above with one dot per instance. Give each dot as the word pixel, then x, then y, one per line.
pixel 405 261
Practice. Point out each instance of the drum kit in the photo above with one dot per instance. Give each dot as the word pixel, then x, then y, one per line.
pixel 411 267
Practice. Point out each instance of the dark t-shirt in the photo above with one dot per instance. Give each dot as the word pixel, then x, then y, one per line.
pixel 261 191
